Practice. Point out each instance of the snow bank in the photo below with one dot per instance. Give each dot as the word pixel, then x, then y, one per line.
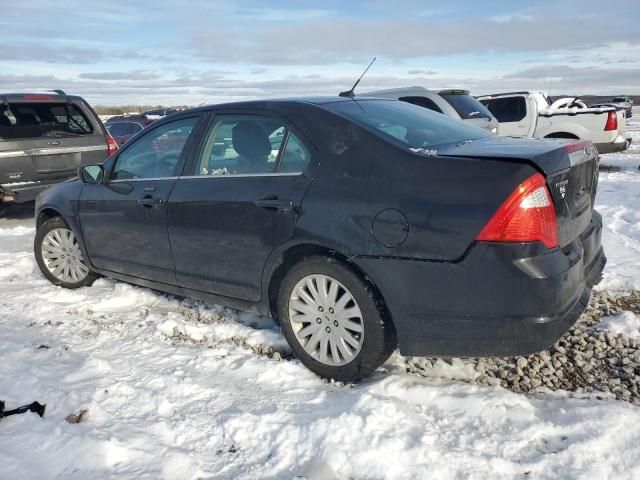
pixel 618 200
pixel 177 389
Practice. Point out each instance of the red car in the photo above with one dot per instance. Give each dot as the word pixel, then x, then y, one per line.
pixel 123 130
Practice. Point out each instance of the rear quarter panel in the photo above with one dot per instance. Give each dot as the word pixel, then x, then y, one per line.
pixel 586 126
pixel 445 200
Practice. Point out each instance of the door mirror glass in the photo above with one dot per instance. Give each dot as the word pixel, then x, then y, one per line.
pixel 91 173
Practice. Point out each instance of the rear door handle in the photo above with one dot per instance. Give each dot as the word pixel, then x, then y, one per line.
pixel 149 201
pixel 272 202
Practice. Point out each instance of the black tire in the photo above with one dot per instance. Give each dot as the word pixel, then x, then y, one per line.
pixel 46 227
pixel 379 339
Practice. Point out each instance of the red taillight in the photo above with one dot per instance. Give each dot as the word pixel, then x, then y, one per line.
pixel 612 122
pixel 527 215
pixel 112 145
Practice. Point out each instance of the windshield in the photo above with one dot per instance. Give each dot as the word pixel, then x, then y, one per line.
pixel 466 106
pixel 414 126
pixel 619 100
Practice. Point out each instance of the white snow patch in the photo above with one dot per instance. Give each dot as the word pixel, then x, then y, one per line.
pixel 625 323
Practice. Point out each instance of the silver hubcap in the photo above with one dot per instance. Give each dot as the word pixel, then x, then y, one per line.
pixel 62 256
pixel 326 320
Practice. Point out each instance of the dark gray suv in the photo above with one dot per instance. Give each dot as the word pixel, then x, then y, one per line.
pixel 44 138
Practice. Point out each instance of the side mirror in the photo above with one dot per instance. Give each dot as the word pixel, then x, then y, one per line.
pixel 91 173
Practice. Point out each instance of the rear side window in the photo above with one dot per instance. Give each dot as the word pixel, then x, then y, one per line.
pixel 36 120
pixel 251 145
pixel 466 106
pixel 509 109
pixel 422 102
pixel 412 125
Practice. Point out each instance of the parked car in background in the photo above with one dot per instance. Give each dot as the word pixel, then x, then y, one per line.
pixel 529 114
pixel 44 138
pixel 375 222
pixel 624 102
pixel 160 112
pixel 123 131
pixel 454 103
pixel 139 118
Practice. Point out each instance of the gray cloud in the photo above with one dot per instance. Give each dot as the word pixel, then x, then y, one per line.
pixel 37 51
pixel 422 72
pixel 214 86
pixel 322 42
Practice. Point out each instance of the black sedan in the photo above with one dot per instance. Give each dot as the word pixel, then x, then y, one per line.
pixel 356 224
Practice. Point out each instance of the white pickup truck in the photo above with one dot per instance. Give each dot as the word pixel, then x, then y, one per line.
pixel 530 114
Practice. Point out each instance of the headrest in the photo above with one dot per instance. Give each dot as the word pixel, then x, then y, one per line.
pixel 250 140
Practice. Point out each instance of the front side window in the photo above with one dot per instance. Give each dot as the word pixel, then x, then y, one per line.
pixel 412 125
pixel 251 145
pixel 156 154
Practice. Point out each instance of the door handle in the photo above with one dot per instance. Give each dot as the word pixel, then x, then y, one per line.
pixel 149 201
pixel 272 202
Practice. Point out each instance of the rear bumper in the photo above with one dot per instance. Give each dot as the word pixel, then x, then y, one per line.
pixel 22 193
pixel 500 300
pixel 620 144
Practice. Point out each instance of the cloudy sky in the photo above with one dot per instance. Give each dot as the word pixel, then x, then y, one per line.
pixel 192 51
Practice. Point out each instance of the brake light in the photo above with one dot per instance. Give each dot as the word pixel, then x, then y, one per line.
pixel 41 98
pixel 612 122
pixel 527 215
pixel 112 145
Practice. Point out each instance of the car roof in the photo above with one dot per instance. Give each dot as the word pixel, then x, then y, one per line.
pixel 276 102
pixel 38 97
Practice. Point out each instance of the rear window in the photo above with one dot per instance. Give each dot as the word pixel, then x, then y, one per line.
pixel 466 106
pixel 35 120
pixel 412 125
pixel 120 129
pixel 422 102
pixel 508 109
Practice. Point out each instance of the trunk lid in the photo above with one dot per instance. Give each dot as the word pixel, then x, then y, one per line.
pixel 570 168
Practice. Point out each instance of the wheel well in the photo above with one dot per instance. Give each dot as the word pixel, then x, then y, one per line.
pixel 300 252
pixel 562 135
pixel 45 215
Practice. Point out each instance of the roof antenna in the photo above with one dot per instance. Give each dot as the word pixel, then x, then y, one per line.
pixel 350 93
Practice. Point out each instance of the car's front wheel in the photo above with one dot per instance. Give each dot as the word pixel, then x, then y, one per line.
pixel 333 320
pixel 59 256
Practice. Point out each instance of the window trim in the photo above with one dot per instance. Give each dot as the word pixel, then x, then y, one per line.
pixel 209 122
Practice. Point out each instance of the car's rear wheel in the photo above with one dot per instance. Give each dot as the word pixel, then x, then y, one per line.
pixel 59 256
pixel 333 320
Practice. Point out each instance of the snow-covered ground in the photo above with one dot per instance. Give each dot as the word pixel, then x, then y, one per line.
pixel 179 389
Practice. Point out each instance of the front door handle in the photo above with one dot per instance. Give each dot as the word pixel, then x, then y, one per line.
pixel 272 202
pixel 149 201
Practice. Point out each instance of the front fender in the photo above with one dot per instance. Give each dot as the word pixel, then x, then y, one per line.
pixel 62 200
